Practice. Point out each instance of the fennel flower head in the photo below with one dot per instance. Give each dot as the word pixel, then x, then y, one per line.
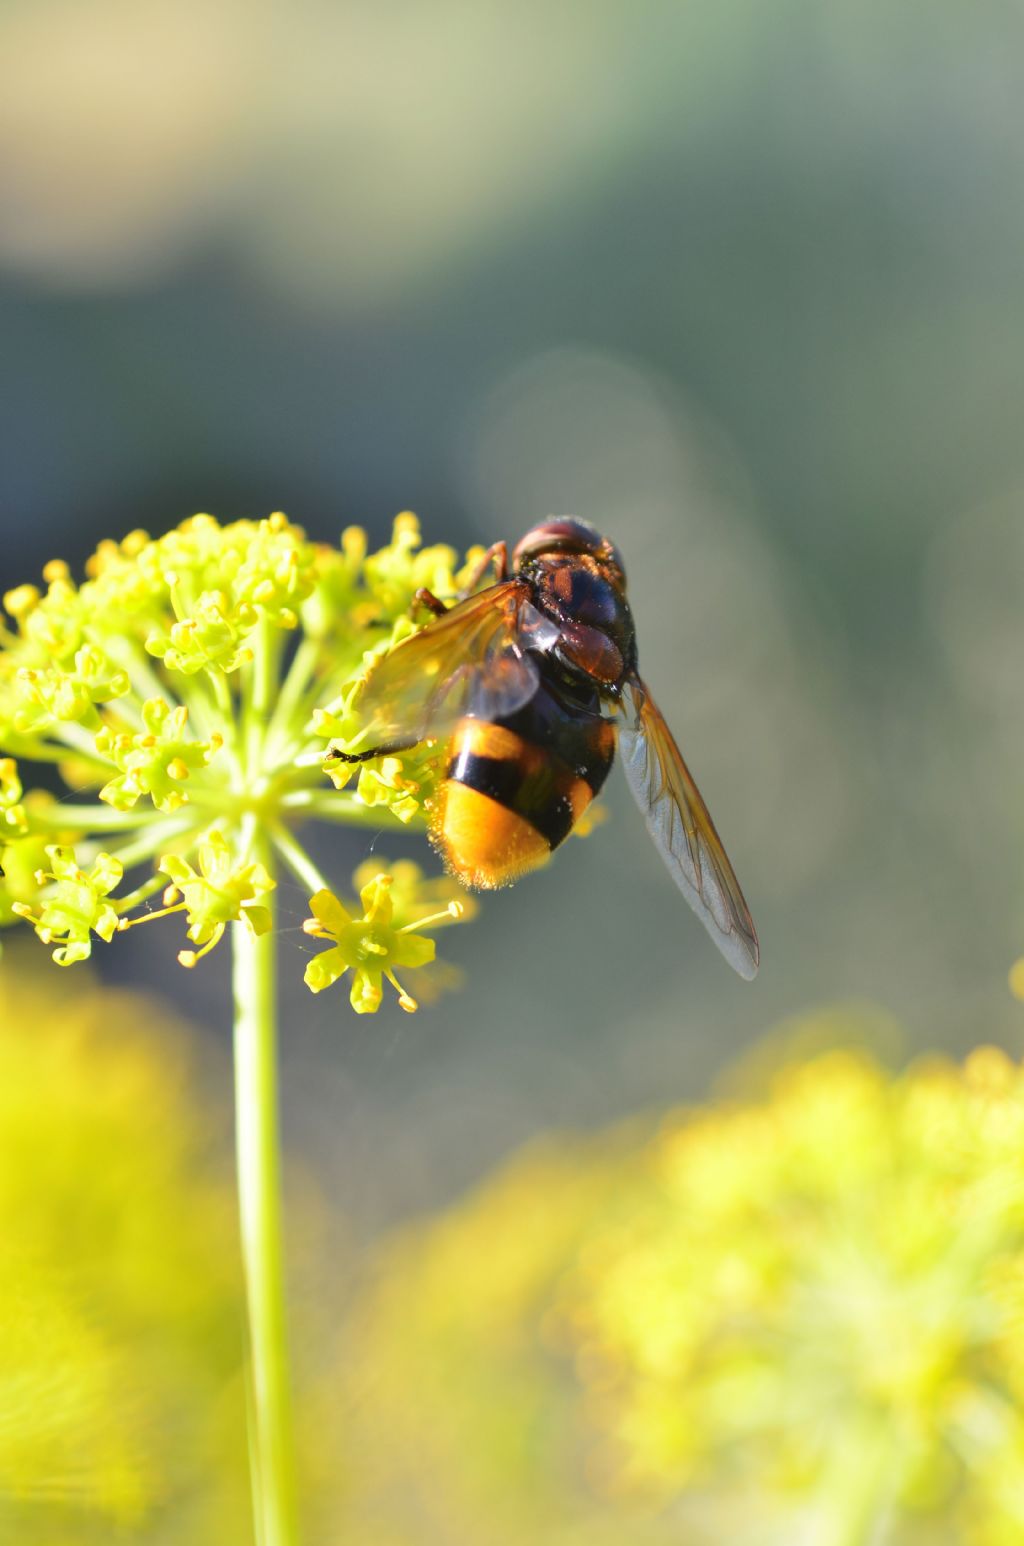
pixel 164 734
pixel 796 1319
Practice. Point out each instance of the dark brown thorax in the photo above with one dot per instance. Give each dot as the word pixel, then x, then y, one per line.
pixel 580 584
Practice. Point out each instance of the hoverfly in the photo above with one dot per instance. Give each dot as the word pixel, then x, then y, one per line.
pixel 532 680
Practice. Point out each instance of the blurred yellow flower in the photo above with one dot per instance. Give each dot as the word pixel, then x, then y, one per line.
pixel 796 1317
pixel 121 1401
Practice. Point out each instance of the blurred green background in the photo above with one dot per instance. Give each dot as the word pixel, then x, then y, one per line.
pixel 742 284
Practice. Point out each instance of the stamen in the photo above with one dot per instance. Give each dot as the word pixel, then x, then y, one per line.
pixel 161 912
pixel 453 910
pixel 189 958
pixel 405 1000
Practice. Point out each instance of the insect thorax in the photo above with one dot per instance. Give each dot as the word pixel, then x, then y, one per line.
pixel 584 598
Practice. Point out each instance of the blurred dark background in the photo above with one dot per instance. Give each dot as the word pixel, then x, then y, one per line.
pixel 742 284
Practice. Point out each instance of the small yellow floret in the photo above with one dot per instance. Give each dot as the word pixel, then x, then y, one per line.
pixel 21 600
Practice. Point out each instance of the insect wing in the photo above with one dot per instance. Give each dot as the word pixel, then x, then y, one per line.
pixel 473 659
pixel 682 829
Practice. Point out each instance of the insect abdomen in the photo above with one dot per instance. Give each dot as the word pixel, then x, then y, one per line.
pixel 508 799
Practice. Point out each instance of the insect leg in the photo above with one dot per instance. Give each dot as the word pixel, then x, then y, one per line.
pixel 387 750
pixel 426 598
pixel 497 554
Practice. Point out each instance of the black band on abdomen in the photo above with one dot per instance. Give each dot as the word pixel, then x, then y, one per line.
pixel 532 793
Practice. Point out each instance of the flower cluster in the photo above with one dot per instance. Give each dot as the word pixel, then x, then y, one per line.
pixel 796 1317
pixel 184 695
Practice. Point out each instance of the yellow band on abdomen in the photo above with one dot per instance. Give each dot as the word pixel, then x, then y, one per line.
pixel 483 842
pixel 481 738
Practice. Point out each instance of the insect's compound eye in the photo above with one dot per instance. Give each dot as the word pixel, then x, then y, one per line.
pixel 567 534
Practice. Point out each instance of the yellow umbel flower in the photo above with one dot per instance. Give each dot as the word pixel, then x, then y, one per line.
pixel 187 691
pixel 798 1317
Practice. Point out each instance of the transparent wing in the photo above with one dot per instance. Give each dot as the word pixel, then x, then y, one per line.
pixel 681 826
pixel 473 659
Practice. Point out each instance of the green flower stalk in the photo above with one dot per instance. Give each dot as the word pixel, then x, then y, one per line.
pixel 186 695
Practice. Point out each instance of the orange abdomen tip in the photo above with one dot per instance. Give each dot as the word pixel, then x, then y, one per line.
pixel 484 843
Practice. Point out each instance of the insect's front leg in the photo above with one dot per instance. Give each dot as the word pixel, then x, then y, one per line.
pixel 389 749
pixel 496 554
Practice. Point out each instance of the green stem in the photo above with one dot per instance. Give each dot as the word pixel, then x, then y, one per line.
pixel 265 669
pixel 141 893
pixel 285 726
pixel 207 696
pixel 38 751
pixel 259 684
pixel 259 1193
pixel 131 657
pixel 46 751
pixel 81 741
pixel 151 841
pixel 298 861
pixel 67 815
